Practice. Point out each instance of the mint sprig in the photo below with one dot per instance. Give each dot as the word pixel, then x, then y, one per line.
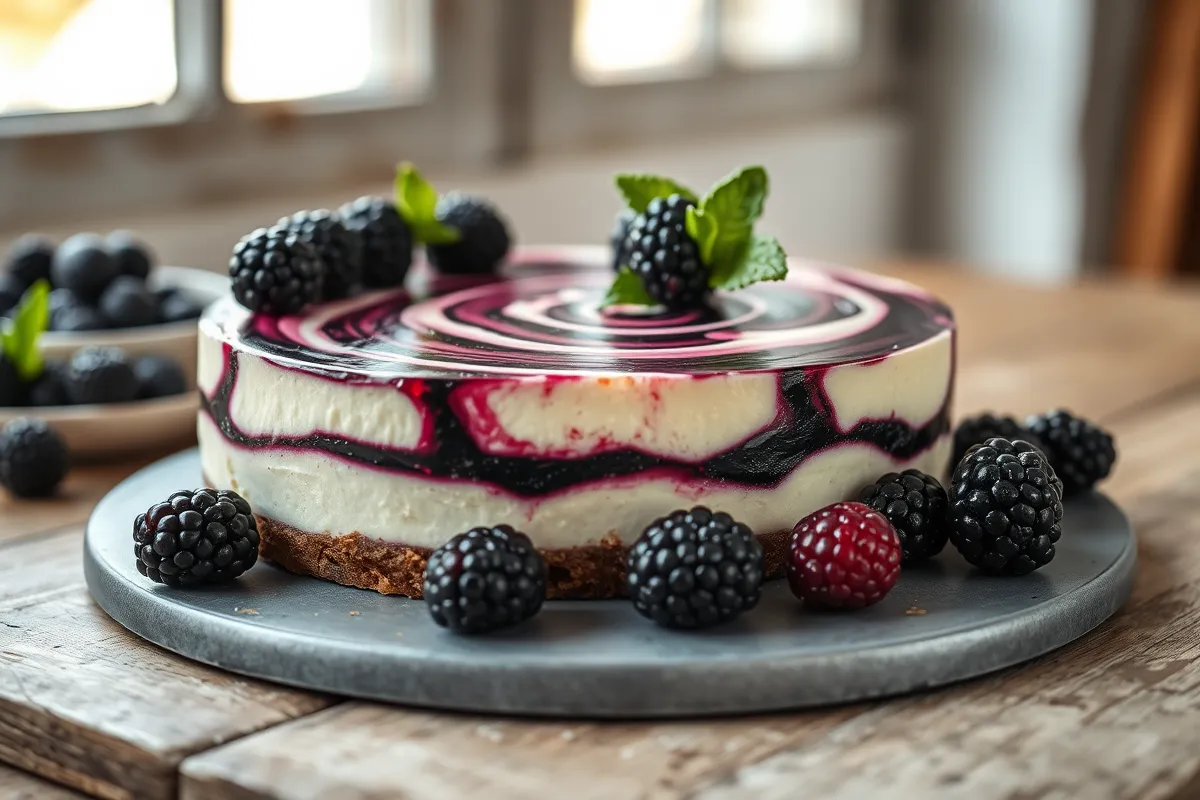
pixel 639 189
pixel 416 200
pixel 627 290
pixel 722 225
pixel 19 339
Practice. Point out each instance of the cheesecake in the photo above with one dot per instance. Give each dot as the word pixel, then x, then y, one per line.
pixel 367 432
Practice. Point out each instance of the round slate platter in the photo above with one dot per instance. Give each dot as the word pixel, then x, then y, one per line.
pixel 942 623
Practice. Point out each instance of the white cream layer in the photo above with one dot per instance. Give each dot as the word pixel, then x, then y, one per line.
pixel 317 493
pixel 686 419
pixel 910 385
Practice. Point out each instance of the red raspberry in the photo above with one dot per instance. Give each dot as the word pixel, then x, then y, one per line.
pixel 844 556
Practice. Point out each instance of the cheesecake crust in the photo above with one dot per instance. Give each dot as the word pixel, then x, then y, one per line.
pixel 587 572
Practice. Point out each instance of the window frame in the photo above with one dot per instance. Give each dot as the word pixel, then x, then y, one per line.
pixel 570 111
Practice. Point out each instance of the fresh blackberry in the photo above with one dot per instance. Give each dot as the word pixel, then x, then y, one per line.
pixel 694 569
pixel 978 429
pixel 1083 453
pixel 50 388
pixel 29 260
pixel 339 248
pixel 1005 509
pixel 83 265
pixel 131 256
pixel 917 506
pixel 195 537
pixel 101 375
pixel 78 319
pixel 387 241
pixel 33 458
pixel 159 376
pixel 617 238
pixel 11 292
pixel 12 390
pixel 127 303
pixel 178 307
pixel 275 272
pixel 483 240
pixel 485 579
pixel 664 256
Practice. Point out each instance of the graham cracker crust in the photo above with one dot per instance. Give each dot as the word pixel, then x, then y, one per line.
pixel 592 571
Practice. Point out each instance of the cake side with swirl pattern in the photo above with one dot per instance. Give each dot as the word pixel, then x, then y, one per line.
pixel 369 431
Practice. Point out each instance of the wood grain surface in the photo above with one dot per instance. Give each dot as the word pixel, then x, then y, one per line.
pixel 16 785
pixel 1117 714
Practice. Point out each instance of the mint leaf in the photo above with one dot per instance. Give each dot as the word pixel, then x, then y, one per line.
pixel 703 228
pixel 627 290
pixel 416 200
pixel 735 204
pixel 638 190
pixel 20 340
pixel 762 260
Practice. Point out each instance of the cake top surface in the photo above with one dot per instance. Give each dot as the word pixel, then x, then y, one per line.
pixel 542 317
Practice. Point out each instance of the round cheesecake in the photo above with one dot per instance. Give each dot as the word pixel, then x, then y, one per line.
pixel 369 431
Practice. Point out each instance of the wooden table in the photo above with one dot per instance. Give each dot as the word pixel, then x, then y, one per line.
pixel 1117 714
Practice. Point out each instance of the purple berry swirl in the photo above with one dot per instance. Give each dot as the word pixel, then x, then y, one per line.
pixel 543 317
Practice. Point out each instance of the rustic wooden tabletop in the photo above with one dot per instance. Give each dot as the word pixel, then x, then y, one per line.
pixel 87 705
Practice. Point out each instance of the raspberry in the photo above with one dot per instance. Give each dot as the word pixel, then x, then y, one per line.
pixel 485 579
pixel 846 555
pixel 695 569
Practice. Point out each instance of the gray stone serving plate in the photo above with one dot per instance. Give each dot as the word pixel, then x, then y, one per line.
pixel 943 622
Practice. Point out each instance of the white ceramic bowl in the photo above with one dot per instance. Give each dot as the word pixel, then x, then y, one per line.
pixel 175 339
pixel 98 433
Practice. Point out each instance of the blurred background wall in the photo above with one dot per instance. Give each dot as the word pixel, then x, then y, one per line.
pixel 1025 137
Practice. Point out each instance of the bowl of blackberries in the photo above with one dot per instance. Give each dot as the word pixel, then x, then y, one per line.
pixel 109 291
pixel 100 400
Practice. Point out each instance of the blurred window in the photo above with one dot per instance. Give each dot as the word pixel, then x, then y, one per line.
pixel 79 55
pixel 634 41
pixel 302 49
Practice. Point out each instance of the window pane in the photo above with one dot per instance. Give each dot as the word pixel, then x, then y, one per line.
pixel 75 55
pixel 623 41
pixel 773 33
pixel 297 49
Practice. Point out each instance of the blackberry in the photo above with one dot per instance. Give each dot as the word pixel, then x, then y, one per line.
pixel 917 506
pixel 483 241
pixel 616 239
pixel 695 569
pixel 33 458
pixel 131 256
pixel 178 307
pixel 1083 453
pixel 127 303
pixel 83 265
pixel 275 272
pixel 387 241
pixel 29 260
pixel 78 319
pixel 485 579
pixel 11 292
pixel 1005 509
pixel 664 256
pixel 339 248
pixel 50 388
pixel 159 376
pixel 196 536
pixel 978 429
pixel 12 390
pixel 101 375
